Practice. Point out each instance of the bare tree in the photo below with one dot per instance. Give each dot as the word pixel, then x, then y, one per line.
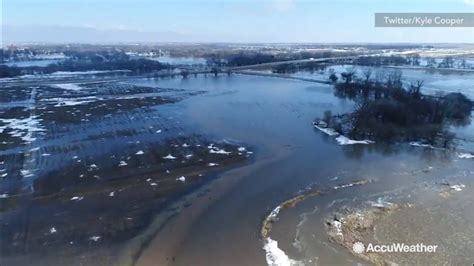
pixel 367 74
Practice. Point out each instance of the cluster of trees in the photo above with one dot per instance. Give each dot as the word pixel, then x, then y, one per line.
pixel 88 61
pixel 387 111
pixel 243 59
pixel 413 60
pixel 292 68
pixel 396 60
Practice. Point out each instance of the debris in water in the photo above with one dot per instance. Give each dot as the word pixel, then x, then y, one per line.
pixel 182 179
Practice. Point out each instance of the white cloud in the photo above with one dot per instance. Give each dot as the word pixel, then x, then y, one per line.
pixel 469 2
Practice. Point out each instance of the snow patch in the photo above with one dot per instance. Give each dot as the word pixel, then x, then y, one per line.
pixel 419 144
pixel 219 151
pixel 327 130
pixel 94 238
pixel 347 141
pixel 457 187
pixel 23 128
pixel 69 87
pixel 77 198
pixel 466 155
pixel 169 157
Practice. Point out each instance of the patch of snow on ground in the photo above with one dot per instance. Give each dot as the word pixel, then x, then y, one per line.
pixel 328 131
pixel 94 238
pixel 338 225
pixel 69 87
pixel 466 155
pixel 23 128
pixel 419 144
pixel 458 187
pixel 347 141
pixel 74 101
pixel 77 198
pixel 169 157
pixel 219 151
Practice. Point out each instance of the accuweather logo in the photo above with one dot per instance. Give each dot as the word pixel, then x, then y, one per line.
pixel 360 248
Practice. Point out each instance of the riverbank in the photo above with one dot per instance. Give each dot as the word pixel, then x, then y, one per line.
pixel 411 223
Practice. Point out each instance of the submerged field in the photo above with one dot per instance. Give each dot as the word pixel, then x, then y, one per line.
pixel 139 171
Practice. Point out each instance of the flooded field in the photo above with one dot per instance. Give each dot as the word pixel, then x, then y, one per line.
pixel 139 172
pixel 435 80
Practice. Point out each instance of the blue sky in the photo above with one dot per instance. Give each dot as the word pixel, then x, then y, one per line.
pixel 242 20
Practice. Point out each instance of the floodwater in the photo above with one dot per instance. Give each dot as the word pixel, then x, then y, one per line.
pixel 273 117
pixel 435 81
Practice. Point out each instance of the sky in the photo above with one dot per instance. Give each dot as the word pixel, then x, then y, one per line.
pixel 287 21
